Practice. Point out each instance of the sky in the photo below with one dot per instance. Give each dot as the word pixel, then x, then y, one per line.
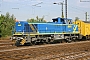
pixel 24 9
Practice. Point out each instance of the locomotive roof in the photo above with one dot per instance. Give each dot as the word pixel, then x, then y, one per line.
pixel 62 18
pixel 86 21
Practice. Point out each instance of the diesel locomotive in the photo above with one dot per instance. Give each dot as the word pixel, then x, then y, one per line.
pixel 60 29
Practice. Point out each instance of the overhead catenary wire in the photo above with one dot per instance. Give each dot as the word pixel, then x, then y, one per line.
pixel 76 8
pixel 79 11
pixel 37 4
pixel 50 4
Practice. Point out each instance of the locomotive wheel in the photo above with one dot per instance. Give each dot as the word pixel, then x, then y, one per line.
pixel 28 44
pixel 68 40
pixel 74 39
pixel 48 41
pixel 62 41
pixel 17 43
pixel 33 42
pixel 52 41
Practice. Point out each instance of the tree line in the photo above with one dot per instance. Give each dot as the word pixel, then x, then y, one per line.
pixel 37 19
pixel 6 23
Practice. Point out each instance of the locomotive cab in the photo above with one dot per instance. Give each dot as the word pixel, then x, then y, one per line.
pixel 62 20
pixel 69 30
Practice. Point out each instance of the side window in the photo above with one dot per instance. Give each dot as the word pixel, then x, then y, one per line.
pixel 69 22
pixel 55 20
pixel 62 20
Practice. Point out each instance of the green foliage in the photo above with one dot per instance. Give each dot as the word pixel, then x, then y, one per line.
pixel 6 23
pixel 36 20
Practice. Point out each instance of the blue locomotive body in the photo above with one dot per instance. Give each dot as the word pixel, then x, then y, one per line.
pixel 59 29
pixel 22 26
pixel 58 26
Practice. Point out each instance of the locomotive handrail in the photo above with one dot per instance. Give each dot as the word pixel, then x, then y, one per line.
pixel 51 24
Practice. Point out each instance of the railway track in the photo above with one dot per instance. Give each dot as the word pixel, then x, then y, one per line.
pixel 68 56
pixel 71 51
pixel 6 44
pixel 63 51
pixel 5 40
pixel 63 56
pixel 11 48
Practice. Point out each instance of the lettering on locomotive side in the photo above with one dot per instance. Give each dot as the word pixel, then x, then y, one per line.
pixel 75 27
